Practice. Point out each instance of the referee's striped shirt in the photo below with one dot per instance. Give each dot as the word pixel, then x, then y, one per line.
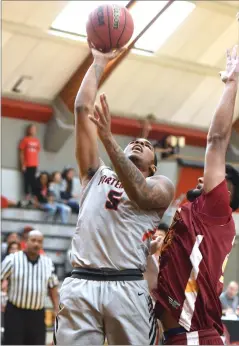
pixel 28 281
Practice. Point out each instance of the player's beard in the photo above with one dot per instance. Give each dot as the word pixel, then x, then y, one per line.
pixel 136 160
pixel 193 194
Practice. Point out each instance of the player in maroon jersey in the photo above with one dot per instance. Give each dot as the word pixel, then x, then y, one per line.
pixel 199 241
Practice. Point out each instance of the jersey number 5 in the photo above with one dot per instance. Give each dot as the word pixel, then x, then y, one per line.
pixel 113 200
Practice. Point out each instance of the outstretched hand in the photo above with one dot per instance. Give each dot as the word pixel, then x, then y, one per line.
pixel 232 66
pixel 102 118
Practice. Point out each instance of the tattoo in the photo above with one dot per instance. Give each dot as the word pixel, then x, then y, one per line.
pixel 98 72
pixel 86 95
pixel 150 193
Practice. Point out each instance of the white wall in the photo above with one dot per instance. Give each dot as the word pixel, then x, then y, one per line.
pixel 11 178
pixel 13 131
pixel 169 169
pixel 12 184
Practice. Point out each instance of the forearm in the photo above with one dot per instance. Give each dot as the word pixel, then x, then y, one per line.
pixel 86 95
pixel 53 293
pixel 130 176
pixel 221 124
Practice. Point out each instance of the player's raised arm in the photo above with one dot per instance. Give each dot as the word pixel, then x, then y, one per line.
pixel 221 125
pixel 152 193
pixel 87 154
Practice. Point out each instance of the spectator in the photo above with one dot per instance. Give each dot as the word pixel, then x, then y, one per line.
pixel 24 236
pixel 24 315
pixel 229 299
pixel 160 232
pixel 68 188
pixel 55 197
pixel 13 247
pixel 12 237
pixel 41 189
pixel 29 148
pixel 152 270
pixel 151 273
pixel 44 199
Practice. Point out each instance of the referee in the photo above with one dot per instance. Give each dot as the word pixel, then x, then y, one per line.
pixel 31 276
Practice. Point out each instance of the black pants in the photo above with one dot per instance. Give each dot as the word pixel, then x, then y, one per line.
pixel 29 180
pixel 24 327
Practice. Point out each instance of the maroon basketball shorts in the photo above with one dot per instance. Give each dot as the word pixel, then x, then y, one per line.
pixel 200 337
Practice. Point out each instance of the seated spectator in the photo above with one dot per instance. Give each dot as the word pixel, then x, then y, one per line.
pixel 46 199
pixel 55 198
pixel 41 189
pixel 229 299
pixel 68 188
pixel 29 149
pixel 24 236
pixel 12 237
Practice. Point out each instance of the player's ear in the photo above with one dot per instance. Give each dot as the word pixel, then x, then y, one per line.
pixel 152 169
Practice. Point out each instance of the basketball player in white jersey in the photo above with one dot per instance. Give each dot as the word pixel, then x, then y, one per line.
pixel 106 296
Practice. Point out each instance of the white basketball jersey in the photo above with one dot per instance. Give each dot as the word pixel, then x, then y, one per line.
pixel 112 231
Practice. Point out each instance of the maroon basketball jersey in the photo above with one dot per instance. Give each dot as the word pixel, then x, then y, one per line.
pixel 193 260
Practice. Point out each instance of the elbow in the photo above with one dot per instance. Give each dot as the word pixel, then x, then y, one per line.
pixel 216 138
pixel 80 108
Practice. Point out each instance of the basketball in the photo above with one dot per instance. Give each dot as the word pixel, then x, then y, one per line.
pixel 109 27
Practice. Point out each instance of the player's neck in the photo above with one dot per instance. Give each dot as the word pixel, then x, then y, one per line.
pixel 145 173
pixel 140 168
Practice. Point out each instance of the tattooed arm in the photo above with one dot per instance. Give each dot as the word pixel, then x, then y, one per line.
pixel 149 193
pixel 86 148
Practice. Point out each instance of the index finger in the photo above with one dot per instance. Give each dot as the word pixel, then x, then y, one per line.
pixel 104 104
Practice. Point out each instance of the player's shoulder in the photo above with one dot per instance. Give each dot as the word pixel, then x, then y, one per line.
pixel 221 188
pixel 163 181
pixel 160 178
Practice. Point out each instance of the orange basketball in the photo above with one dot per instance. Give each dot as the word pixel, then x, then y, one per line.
pixel 109 27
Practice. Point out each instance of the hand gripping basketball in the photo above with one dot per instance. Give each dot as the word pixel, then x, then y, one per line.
pixel 105 56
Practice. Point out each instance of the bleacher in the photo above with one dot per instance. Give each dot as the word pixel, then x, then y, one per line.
pixel 57 237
